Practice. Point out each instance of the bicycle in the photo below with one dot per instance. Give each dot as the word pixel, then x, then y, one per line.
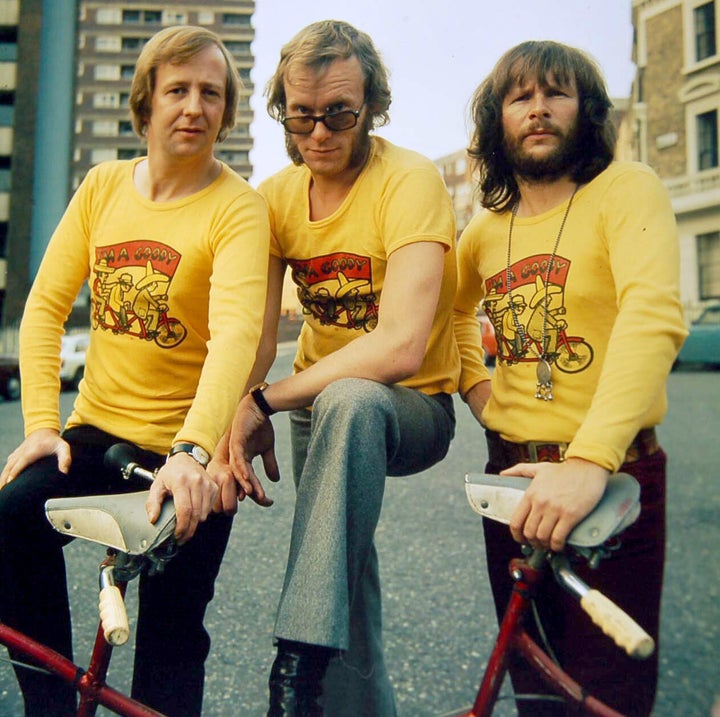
pixel 168 333
pixel 495 497
pixel 119 522
pixel 571 355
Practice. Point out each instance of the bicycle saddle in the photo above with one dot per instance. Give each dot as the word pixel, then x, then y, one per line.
pixel 496 497
pixel 117 521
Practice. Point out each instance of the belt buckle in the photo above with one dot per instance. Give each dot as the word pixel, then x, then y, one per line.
pixel 539 452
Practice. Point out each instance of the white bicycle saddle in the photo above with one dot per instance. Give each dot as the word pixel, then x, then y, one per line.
pixel 117 521
pixel 496 497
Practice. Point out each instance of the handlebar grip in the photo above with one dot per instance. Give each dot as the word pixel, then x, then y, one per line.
pixel 618 625
pixel 113 616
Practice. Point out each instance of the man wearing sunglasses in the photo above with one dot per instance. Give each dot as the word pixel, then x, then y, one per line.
pixel 368 232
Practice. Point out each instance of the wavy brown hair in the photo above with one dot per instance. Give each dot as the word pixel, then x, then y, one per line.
pixel 177 45
pixel 543 61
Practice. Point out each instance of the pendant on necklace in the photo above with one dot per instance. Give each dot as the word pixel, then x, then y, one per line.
pixel 544 380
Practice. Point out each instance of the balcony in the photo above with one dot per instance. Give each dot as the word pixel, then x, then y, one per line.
pixel 695 192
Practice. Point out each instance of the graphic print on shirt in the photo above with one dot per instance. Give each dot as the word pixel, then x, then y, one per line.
pixel 337 290
pixel 532 310
pixel 130 291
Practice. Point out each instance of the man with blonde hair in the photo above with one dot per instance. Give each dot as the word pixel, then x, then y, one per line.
pixel 182 217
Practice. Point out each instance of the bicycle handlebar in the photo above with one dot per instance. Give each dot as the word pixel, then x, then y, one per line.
pixel 113 615
pixel 608 616
pixel 617 624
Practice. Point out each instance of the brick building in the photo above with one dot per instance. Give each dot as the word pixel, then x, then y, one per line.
pixel 675 106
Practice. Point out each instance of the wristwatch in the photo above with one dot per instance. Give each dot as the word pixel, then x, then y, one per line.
pixel 260 401
pixel 197 452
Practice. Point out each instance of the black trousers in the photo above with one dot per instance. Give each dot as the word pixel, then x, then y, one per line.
pixel 171 642
pixel 632 578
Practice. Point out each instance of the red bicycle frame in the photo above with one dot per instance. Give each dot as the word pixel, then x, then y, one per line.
pixel 514 638
pixel 90 683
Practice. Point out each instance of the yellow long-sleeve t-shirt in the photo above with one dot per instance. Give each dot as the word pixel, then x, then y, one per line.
pixel 339 262
pixel 177 292
pixel 614 287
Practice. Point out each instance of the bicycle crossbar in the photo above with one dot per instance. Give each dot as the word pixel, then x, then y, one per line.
pixel 69 672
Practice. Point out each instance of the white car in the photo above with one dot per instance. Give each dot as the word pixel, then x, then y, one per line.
pixel 72 358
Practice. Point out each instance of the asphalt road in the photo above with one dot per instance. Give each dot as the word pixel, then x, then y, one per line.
pixel 437 610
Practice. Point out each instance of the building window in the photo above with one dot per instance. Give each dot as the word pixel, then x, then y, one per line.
pixel 131 153
pixel 104 128
pixel 707 140
pixel 102 155
pixel 708 253
pixel 107 43
pixel 147 17
pixel 132 43
pixel 106 100
pixel 108 16
pixel 3 238
pixel 235 18
pixel 172 17
pixel 127 72
pixel 238 47
pixel 240 157
pixel 704 16
pixel 107 72
pixel 125 128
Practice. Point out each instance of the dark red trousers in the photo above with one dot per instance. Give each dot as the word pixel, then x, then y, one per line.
pixel 632 578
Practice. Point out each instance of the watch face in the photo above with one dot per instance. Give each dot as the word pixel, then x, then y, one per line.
pixel 200 455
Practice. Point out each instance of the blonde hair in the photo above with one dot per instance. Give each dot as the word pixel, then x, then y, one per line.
pixel 178 45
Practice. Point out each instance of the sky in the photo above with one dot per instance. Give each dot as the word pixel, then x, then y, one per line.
pixel 437 52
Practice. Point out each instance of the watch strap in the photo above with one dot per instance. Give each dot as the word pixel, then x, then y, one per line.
pixel 195 451
pixel 260 401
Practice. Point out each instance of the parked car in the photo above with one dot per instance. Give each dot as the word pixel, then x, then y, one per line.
pixel 9 378
pixel 72 359
pixel 702 346
pixel 489 340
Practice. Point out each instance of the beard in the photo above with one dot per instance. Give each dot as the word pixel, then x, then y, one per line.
pixel 553 165
pixel 358 154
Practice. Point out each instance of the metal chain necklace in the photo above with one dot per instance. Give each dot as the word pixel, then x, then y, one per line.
pixel 544 387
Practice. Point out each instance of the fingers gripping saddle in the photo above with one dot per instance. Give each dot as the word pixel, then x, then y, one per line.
pixel 496 497
pixel 116 521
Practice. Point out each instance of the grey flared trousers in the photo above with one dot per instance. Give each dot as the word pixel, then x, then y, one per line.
pixel 358 432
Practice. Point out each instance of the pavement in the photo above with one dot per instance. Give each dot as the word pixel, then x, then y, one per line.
pixel 438 619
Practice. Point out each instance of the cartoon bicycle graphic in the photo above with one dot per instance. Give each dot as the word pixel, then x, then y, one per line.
pixel 571 355
pixel 135 308
pixel 527 330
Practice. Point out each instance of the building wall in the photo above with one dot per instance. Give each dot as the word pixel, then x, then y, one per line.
pixel 662 80
pixel 110 37
pixel 24 22
pixel 673 87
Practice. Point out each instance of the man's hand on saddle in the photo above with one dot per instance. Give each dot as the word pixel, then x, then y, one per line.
pixel 39 444
pixel 559 497
pixel 252 435
pixel 193 492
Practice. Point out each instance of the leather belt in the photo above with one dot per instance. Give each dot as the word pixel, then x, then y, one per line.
pixel 507 453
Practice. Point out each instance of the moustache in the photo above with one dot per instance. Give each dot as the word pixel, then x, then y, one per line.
pixel 542 128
